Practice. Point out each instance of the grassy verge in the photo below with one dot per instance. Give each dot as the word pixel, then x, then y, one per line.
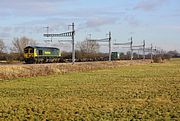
pixel 34 70
pixel 129 92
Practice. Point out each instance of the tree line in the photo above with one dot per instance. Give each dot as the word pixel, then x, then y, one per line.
pixel 86 51
pixel 16 50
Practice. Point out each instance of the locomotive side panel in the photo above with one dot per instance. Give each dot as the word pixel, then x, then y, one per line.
pixel 41 54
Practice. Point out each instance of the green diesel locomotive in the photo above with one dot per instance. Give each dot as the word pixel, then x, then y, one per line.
pixel 35 54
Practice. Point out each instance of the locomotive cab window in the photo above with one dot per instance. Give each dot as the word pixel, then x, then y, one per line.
pixel 25 50
pixel 31 50
pixel 40 52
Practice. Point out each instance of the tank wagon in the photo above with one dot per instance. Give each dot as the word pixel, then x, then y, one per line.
pixel 35 54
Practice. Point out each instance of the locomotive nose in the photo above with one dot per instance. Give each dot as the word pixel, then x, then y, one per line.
pixel 29 55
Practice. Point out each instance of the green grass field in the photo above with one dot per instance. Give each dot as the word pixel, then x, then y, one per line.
pixel 142 92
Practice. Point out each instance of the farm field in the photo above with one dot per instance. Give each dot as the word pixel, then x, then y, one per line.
pixel 145 92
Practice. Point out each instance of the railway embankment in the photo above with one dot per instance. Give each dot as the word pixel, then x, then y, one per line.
pixel 13 71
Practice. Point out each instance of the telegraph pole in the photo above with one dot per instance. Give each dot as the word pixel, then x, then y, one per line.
pixel 131 49
pixel 88 41
pixel 144 45
pixel 109 46
pixel 129 44
pixel 108 40
pixel 138 54
pixel 155 51
pixel 47 29
pixel 151 52
pixel 47 32
pixel 73 44
pixel 66 34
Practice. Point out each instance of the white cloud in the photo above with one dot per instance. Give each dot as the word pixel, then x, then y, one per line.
pixel 30 7
pixel 96 22
pixel 132 20
pixel 4 34
pixel 172 27
pixel 149 5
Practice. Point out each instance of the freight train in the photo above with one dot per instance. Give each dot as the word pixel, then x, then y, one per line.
pixel 35 54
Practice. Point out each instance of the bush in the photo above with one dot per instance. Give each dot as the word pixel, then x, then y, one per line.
pixel 161 58
pixel 157 59
pixel 167 56
pixel 3 56
pixel 10 57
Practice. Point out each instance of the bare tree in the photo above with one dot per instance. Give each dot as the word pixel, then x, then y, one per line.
pixel 88 46
pixel 2 46
pixel 20 43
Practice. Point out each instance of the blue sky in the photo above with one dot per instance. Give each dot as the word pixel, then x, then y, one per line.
pixel 156 21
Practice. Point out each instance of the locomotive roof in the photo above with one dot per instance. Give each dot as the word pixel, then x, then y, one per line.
pixel 42 47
